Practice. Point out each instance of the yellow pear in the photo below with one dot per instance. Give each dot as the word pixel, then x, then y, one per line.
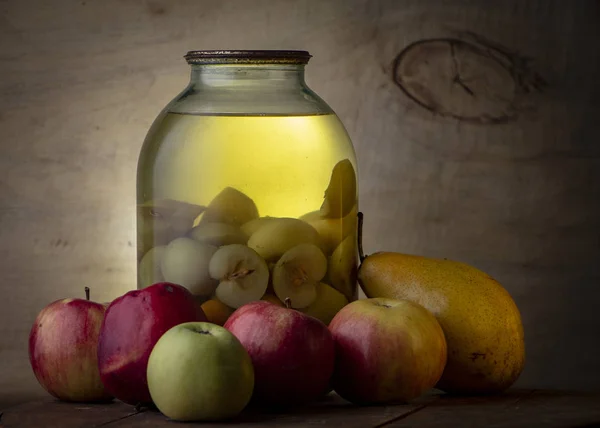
pixel 481 322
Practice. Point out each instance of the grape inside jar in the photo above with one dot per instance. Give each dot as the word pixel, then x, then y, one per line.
pixel 247 189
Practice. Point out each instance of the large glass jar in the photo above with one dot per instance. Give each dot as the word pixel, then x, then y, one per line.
pixel 247 189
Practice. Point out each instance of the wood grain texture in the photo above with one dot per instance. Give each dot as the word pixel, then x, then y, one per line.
pixel 81 82
pixel 523 409
pixel 53 413
pixel 515 408
pixel 331 411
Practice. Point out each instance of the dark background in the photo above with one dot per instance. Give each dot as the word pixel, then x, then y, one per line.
pixel 505 178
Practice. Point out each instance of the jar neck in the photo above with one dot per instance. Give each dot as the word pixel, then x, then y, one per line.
pixel 247 76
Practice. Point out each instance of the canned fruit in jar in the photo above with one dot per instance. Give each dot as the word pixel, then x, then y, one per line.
pixel 242 274
pixel 276 237
pixel 185 262
pixel 297 273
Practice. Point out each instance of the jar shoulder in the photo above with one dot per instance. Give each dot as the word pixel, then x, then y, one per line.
pixel 248 101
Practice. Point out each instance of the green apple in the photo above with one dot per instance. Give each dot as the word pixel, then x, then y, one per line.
pixel 199 371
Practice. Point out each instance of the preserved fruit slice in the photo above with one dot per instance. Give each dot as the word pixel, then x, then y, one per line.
pixel 340 195
pixel 185 262
pixel 180 215
pixel 153 231
pixel 243 275
pixel 276 237
pixel 271 298
pixel 218 234
pixel 149 271
pixel 230 206
pixel 297 273
pixel 253 225
pixel 342 268
pixel 216 311
pixel 328 302
pixel 331 230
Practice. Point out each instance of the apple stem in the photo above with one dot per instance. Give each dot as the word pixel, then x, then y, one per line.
pixel 361 253
pixel 87 293
pixel 288 303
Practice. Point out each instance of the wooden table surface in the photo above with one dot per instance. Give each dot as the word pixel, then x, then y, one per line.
pixel 515 408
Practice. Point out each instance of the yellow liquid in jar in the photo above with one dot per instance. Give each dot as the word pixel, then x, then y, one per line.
pixel 283 163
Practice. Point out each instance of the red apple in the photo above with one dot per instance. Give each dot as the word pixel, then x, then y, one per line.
pixel 63 345
pixel 387 350
pixel 292 353
pixel 132 325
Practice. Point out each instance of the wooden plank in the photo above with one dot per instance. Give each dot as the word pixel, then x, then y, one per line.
pixel 552 409
pixel 469 411
pixel 49 413
pixel 331 411
pixel 517 408
pixel 527 409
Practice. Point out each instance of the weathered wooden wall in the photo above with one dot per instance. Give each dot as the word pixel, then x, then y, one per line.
pixel 81 81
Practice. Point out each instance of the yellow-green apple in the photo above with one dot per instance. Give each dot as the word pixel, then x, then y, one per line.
pixel 132 325
pixel 292 353
pixel 63 345
pixel 198 371
pixel 387 350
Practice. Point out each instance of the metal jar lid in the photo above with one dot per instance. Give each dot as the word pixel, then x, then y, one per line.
pixel 247 57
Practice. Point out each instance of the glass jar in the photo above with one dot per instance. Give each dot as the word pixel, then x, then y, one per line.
pixel 247 189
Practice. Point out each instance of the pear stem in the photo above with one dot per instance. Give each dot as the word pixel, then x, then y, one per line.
pixel 288 303
pixel 87 293
pixel 361 253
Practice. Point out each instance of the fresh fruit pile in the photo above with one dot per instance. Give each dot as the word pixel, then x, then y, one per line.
pixel 426 323
pixel 238 310
pixel 226 255
pixel 155 347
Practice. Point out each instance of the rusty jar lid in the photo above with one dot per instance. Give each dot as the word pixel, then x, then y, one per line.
pixel 247 57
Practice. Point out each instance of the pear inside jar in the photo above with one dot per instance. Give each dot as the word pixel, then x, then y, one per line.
pixel 289 259
pixel 285 233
